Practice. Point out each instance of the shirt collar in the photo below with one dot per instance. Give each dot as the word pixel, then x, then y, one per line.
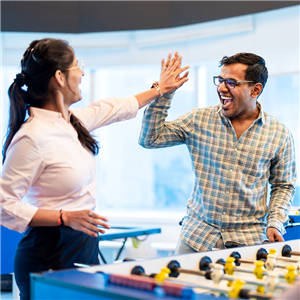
pixel 48 115
pixel 260 116
pixel 261 113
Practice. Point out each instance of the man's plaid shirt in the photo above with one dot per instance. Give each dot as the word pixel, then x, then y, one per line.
pixel 231 185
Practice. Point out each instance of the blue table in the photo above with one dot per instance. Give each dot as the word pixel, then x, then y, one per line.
pixel 124 233
pixel 293 229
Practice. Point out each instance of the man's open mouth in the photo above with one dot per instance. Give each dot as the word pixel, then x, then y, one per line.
pixel 226 101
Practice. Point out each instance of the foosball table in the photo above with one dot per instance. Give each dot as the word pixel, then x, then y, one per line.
pixel 253 272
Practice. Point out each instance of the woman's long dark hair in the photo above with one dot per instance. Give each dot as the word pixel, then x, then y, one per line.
pixel 40 61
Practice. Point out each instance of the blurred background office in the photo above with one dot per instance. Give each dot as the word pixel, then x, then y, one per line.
pixel 138 186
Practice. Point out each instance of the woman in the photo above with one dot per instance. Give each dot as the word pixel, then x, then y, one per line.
pixel 48 184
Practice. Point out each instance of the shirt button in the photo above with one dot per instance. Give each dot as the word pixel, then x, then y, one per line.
pixel 230 171
pixel 222 230
pixel 227 192
pixel 224 213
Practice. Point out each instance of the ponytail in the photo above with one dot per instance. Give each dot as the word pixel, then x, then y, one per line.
pixel 86 140
pixel 40 61
pixel 17 110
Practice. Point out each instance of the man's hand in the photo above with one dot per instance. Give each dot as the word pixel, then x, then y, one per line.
pixel 274 235
pixel 170 79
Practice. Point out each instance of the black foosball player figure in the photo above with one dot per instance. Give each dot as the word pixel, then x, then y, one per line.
pixel 237 150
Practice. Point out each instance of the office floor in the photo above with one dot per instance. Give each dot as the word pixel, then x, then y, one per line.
pixel 6 296
pixel 10 295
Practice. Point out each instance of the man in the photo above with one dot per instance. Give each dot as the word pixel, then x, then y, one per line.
pixel 236 149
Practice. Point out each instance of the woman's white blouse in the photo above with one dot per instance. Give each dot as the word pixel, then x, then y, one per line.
pixel 47 167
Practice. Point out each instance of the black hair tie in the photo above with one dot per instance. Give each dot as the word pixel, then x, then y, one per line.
pixel 20 79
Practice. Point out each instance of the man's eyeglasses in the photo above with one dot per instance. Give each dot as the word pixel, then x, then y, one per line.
pixel 80 65
pixel 229 83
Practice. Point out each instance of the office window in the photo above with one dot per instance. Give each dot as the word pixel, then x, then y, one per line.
pixel 129 176
pixel 281 100
pixel 133 178
pixel 7 75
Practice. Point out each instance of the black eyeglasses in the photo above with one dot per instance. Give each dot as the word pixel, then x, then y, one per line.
pixel 229 83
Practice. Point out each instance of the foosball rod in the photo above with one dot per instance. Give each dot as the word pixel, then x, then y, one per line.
pixel 287 251
pixel 258 271
pixel 234 292
pixel 243 293
pixel 206 264
pixel 138 270
pixel 214 273
pixel 262 254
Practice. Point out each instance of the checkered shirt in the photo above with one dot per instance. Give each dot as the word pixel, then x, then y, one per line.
pixel 229 198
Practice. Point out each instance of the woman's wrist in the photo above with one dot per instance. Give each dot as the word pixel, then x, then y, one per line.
pixel 59 222
pixel 156 86
pixel 60 219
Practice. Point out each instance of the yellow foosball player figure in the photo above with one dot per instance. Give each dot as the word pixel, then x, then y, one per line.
pixel 236 288
pixel 164 274
pixel 258 272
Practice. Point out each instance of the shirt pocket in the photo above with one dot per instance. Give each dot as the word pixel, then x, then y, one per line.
pixel 254 163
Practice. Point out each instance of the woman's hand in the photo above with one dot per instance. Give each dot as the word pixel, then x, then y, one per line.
pixel 170 79
pixel 86 221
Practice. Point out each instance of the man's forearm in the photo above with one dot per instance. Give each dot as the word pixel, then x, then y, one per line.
pixel 154 120
pixel 280 203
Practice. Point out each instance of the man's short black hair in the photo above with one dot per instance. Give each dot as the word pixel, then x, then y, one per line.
pixel 256 70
